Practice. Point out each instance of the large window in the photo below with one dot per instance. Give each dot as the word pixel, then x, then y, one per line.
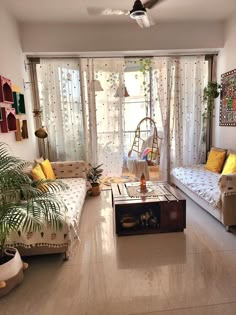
pixel 140 103
pixel 96 118
pixel 60 102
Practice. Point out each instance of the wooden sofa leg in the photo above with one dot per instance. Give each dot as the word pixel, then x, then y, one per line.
pixel 66 257
pixel 227 227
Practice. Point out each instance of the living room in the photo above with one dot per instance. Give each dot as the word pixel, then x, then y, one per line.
pixel 186 272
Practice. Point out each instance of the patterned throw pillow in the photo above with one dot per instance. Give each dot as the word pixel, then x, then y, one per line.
pixel 37 173
pixel 230 165
pixel 215 161
pixel 47 169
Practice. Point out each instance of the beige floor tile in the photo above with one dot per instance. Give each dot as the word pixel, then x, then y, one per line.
pixel 198 285
pixel 157 313
pixel 207 231
pixel 124 291
pixel 228 259
pixel 49 289
pixel 161 274
pixel 222 309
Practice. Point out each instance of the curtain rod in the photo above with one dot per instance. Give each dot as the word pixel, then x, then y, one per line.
pixel 121 56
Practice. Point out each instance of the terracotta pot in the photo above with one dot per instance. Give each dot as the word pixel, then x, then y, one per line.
pixel 95 190
pixel 11 272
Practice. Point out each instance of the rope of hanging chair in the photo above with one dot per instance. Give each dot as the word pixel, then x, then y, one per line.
pixel 137 136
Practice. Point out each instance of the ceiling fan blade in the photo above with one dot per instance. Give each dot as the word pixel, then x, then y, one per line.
pixel 151 19
pixel 143 22
pixel 106 11
pixel 151 3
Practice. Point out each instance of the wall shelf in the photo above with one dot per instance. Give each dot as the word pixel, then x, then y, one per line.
pixel 8 122
pixel 6 95
pixel 22 129
pixel 19 103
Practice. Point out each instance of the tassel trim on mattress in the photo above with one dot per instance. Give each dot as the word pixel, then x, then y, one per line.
pixel 38 245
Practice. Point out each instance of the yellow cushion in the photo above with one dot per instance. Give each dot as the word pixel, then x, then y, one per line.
pixel 215 161
pixel 38 173
pixel 47 169
pixel 230 165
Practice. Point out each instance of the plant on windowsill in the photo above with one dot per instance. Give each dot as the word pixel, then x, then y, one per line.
pixel 93 176
pixel 25 206
pixel 210 93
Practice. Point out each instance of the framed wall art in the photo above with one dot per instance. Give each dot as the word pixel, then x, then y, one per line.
pixel 228 99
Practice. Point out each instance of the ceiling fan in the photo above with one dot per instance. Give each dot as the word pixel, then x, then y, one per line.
pixel 138 12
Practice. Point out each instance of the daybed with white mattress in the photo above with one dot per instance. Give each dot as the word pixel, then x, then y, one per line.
pixel 214 192
pixel 48 241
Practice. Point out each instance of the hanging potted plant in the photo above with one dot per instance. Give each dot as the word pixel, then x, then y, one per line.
pixel 24 206
pixel 93 176
pixel 210 93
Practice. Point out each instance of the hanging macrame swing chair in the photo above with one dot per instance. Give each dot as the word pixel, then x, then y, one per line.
pixel 146 149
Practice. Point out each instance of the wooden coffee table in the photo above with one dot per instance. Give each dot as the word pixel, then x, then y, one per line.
pixel 161 209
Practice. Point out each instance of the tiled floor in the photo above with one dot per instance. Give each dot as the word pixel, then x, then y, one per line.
pixel 190 273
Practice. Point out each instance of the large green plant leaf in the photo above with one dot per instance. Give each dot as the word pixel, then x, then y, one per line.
pixel 25 204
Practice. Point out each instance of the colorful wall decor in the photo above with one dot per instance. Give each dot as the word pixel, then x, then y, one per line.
pixel 228 99
pixel 6 95
pixel 21 130
pixel 19 103
pixel 8 122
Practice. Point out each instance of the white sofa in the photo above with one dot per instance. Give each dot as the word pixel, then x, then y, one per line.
pixel 214 192
pixel 47 240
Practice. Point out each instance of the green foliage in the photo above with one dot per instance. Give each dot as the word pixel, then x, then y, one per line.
pixel 145 66
pixel 24 204
pixel 211 91
pixel 93 174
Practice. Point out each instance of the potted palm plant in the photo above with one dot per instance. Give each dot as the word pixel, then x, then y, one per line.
pixel 25 206
pixel 93 176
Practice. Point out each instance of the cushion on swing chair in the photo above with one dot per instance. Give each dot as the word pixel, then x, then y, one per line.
pixel 147 154
pixel 150 155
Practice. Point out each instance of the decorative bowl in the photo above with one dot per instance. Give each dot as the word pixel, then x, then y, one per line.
pixel 129 222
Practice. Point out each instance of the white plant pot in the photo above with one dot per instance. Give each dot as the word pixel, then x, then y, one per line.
pixel 11 273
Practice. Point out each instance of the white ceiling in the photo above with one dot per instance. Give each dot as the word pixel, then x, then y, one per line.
pixel 75 11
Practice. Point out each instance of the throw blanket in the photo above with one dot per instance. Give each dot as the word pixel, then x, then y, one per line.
pixel 227 186
pixel 200 181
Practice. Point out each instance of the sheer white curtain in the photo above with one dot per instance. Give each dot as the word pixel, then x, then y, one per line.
pixel 89 122
pixel 60 102
pixel 189 126
pixel 105 111
pixel 178 88
pixel 163 75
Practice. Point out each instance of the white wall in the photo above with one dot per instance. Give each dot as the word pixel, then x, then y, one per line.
pixel 225 137
pixel 12 67
pixel 38 38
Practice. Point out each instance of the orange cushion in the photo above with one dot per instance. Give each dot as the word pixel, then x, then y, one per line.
pixel 230 165
pixel 37 173
pixel 47 169
pixel 215 161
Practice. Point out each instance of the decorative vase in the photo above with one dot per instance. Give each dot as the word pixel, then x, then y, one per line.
pixel 11 272
pixel 95 190
pixel 41 133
